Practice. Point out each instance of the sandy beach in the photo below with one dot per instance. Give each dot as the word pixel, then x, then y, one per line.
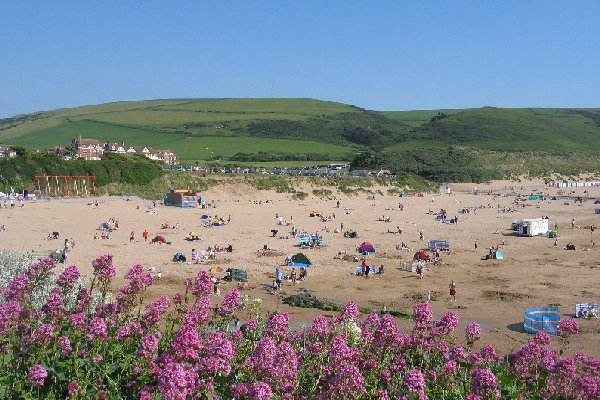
pixel 494 293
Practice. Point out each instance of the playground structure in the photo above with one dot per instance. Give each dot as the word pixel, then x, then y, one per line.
pixel 65 185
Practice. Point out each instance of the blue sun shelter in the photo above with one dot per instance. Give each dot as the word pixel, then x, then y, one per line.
pixel 299 260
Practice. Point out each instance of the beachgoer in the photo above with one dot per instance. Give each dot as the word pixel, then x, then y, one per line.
pixel 145 235
pixel 452 288
pixel 428 297
pixel 132 236
pixel 421 236
pixel 303 273
pixel 338 204
pixel 476 243
pixel 293 277
pixel 420 271
pixel 278 278
pixel 573 223
pixel 555 242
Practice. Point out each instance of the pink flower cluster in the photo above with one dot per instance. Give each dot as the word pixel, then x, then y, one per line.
pixel 124 350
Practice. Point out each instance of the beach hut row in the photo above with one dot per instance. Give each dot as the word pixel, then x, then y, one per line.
pixel 572 184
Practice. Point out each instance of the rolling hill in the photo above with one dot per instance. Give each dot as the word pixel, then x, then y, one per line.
pixel 202 129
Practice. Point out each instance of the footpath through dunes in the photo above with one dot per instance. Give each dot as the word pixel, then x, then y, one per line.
pixel 495 293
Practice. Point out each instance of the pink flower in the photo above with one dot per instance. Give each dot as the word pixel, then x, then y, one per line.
pixel 230 303
pixel 73 389
pixel 178 298
pixel 97 328
pixel 186 344
pixel 104 268
pixel 37 375
pixel 176 381
pixel 43 333
pixel 484 384
pixel 64 344
pixel 97 358
pixel 18 287
pixel 40 270
pixel 155 310
pixel 147 393
pixel 422 314
pixel 449 322
pixel 414 381
pixel 54 305
pixel 68 277
pixel 568 326
pixel 149 344
pixel 261 391
pixel 541 339
pixel 218 355
pixel 319 328
pixel 387 332
pixel 473 333
pixel 277 325
pixel 263 357
pixel 77 320
pixel 350 311
pixel 202 284
pixel 199 312
pixel 347 382
pixel 371 321
pixel 250 325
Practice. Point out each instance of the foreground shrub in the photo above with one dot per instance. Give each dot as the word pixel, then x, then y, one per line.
pixel 185 346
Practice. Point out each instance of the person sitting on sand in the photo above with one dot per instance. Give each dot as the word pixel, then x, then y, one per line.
pixel 303 274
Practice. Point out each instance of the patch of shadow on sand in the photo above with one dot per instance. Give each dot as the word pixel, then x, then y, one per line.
pixel 516 327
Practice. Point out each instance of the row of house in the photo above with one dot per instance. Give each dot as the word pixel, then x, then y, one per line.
pixel 7 152
pixel 92 149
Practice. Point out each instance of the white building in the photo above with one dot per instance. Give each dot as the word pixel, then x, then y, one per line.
pixel 532 227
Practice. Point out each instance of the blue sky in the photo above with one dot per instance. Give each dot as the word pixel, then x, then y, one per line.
pixel 381 55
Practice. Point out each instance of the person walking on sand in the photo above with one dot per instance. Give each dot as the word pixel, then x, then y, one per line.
pixel 452 288
pixel 428 297
pixel 476 244
pixel 421 236
pixel 145 235
pixel 131 236
pixel 293 276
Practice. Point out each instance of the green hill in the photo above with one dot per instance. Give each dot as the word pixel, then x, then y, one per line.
pixel 202 129
pixel 527 129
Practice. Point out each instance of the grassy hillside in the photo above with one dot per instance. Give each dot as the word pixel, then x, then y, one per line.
pixel 416 118
pixel 199 129
pixel 528 129
pixel 202 129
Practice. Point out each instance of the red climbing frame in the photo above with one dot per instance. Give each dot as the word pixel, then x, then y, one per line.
pixel 65 185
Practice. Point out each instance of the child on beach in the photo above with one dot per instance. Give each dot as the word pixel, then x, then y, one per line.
pixel 452 291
